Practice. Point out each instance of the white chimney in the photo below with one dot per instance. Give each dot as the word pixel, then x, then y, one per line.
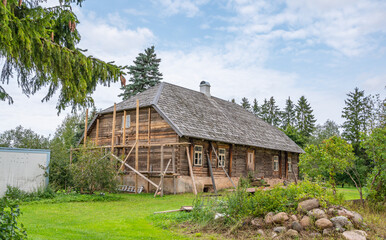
pixel 205 88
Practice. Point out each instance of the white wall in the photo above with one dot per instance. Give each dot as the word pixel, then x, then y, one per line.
pixel 20 168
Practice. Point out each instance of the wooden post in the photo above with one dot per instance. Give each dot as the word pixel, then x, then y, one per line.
pixel 124 128
pixel 148 149
pixel 71 155
pixel 136 146
pixel 230 159
pixel 191 171
pixel 85 128
pixel 162 169
pixel 211 173
pixel 113 128
pixel 174 170
pixel 97 132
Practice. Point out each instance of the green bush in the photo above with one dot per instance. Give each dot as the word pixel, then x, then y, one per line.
pixel 9 226
pixel 14 193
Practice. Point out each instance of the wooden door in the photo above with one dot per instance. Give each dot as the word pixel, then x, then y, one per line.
pixel 251 161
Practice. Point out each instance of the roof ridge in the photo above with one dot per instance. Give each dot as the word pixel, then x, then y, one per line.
pixel 158 94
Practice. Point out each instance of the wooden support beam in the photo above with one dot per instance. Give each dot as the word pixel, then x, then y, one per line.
pixel 174 170
pixel 230 179
pixel 191 171
pixel 97 132
pixel 113 128
pixel 162 168
pixel 85 128
pixel 124 129
pixel 211 173
pixel 136 140
pixel 133 169
pixel 230 159
pixel 128 155
pixel 161 182
pixel 148 142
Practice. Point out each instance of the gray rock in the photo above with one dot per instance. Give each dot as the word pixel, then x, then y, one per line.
pixel 294 218
pixel 355 235
pixel 332 211
pixel 328 231
pixel 280 217
pixel 315 235
pixel 305 222
pixel 292 233
pixel 261 232
pixel 279 229
pixel 269 218
pixel 346 213
pixel 323 223
pixel 273 235
pixel 257 222
pixel 317 213
pixel 340 222
pixel 308 205
pixel 296 226
pixel 357 219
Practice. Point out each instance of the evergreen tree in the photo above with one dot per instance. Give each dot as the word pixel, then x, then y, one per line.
pixel 144 74
pixel 288 115
pixel 233 100
pixel 264 111
pixel 305 120
pixel 39 45
pixel 245 104
pixel 355 112
pixel 273 112
pixel 256 108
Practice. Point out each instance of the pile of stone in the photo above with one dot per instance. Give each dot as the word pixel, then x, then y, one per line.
pixel 312 221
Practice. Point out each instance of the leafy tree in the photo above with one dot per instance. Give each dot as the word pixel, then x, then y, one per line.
pixel 255 108
pixel 23 138
pixel 333 156
pixel 39 45
pixel 325 131
pixel 305 120
pixel 375 147
pixel 295 135
pixel 245 104
pixel 93 171
pixel 288 116
pixel 144 74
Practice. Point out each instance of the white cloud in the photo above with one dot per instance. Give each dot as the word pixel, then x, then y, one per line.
pixel 188 7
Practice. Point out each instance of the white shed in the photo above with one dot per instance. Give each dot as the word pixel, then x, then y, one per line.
pixel 20 168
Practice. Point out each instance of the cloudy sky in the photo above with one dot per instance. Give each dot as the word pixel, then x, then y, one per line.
pixel 321 49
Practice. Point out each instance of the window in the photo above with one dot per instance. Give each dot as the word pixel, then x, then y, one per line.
pixel 221 157
pixel 275 163
pixel 197 155
pixel 127 121
pixel 289 164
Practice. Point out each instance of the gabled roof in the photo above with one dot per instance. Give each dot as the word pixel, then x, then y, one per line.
pixel 193 114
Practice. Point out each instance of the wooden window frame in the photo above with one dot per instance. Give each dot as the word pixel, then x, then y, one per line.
pixel 127 122
pixel 289 161
pixel 221 158
pixel 276 160
pixel 197 157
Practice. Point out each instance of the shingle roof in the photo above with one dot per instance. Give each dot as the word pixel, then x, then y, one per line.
pixel 193 114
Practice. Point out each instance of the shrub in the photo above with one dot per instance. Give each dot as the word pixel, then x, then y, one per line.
pixel 9 227
pixel 15 194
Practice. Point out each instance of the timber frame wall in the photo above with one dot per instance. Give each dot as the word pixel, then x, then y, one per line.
pixel 157 141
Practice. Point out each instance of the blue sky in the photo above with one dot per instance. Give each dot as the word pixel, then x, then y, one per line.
pixel 256 49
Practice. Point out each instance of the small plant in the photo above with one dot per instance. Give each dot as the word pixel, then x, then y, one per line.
pixel 15 194
pixel 9 226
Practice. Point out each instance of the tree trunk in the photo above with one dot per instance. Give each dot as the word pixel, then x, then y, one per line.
pixel 5 2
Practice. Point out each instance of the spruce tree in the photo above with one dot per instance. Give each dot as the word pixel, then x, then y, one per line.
pixel 256 108
pixel 288 115
pixel 245 104
pixel 305 120
pixel 39 46
pixel 264 111
pixel 144 74
pixel 273 113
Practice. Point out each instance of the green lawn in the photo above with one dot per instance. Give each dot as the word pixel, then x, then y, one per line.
pixel 127 218
pixel 349 193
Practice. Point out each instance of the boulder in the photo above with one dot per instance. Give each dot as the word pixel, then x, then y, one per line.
pixel 340 222
pixel 317 213
pixel 328 231
pixel 292 233
pixel 346 213
pixel 257 222
pixel 294 218
pixel 305 222
pixel 332 211
pixel 296 226
pixel 269 218
pixel 279 229
pixel 314 234
pixel 308 205
pixel 357 219
pixel 261 232
pixel 280 217
pixel 323 223
pixel 355 235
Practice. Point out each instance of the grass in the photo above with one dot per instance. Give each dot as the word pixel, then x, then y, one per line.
pixel 350 193
pixel 127 217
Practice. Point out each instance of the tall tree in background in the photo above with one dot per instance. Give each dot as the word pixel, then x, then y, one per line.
pixel 245 104
pixel 288 117
pixel 325 131
pixel 305 120
pixel 39 45
pixel 23 138
pixel 256 108
pixel 273 113
pixel 355 113
pixel 144 74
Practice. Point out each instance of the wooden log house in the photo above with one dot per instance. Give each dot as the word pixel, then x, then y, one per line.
pixel 203 139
